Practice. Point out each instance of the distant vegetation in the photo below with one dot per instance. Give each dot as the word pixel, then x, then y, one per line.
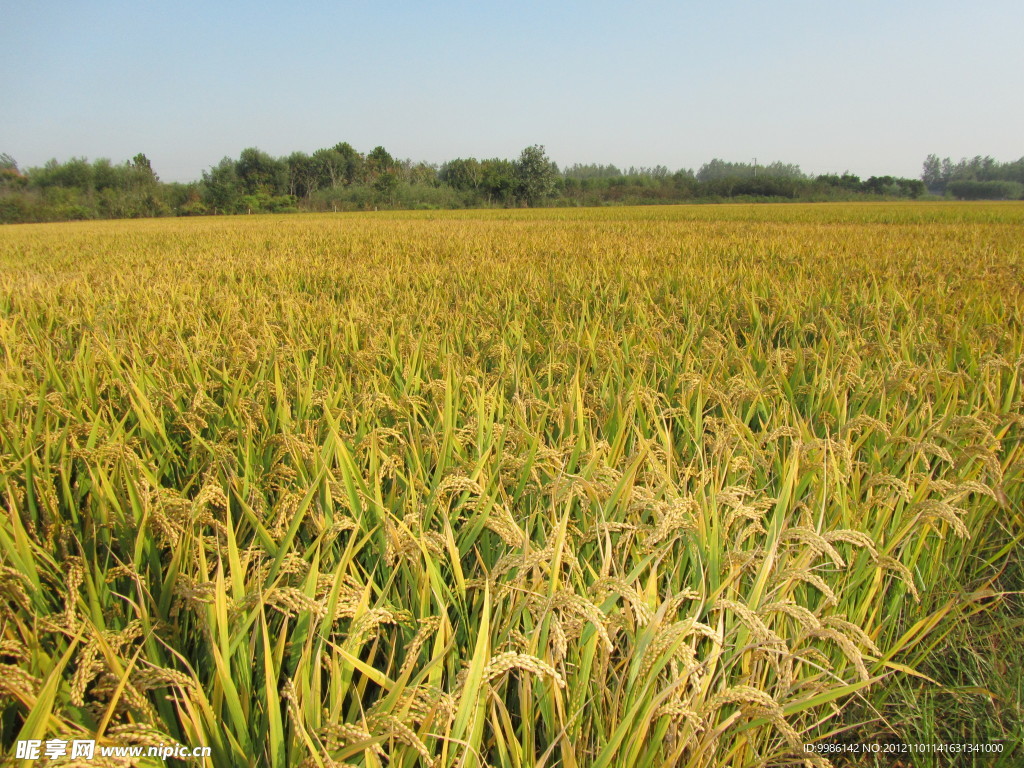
pixel 340 178
pixel 980 178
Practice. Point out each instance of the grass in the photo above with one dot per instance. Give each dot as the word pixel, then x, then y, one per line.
pixel 668 486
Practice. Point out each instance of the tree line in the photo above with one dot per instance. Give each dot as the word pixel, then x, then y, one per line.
pixel 980 178
pixel 340 178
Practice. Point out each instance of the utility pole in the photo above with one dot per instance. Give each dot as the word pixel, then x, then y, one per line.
pixel 755 167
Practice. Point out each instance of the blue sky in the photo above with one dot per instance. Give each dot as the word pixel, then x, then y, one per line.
pixel 867 86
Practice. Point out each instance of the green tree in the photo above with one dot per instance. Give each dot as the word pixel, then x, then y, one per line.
pixel 75 173
pixel 221 187
pixel 303 174
pixel 379 162
pixel 719 170
pixel 386 183
pixel 259 172
pixel 141 163
pixel 583 171
pixel 932 175
pixel 536 176
pixel 106 176
pixel 910 187
pixel 353 162
pixel 969 189
pixel 330 167
pixel 462 174
pixel 498 180
pixel 421 173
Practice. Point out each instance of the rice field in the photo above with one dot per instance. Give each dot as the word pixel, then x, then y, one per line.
pixel 675 486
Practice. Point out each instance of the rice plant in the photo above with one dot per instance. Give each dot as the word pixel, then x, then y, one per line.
pixel 682 486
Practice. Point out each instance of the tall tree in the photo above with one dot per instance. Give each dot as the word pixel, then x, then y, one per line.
pixel 330 166
pixel 420 173
pixel 221 187
pixel 931 175
pixel 380 161
pixel 141 162
pixel 353 162
pixel 462 174
pixel 303 174
pixel 259 172
pixel 498 180
pixel 536 175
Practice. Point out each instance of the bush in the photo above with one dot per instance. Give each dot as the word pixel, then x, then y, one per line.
pixel 986 190
pixel 193 208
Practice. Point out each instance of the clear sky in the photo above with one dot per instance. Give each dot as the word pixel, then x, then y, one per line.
pixel 868 86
